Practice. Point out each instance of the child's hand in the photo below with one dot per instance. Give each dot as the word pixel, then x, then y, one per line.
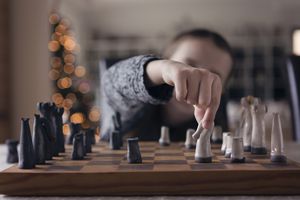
pixel 196 86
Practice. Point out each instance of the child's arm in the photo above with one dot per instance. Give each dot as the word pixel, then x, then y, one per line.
pixel 123 90
pixel 195 86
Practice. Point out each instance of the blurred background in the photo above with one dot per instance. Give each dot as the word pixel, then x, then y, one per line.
pixel 53 50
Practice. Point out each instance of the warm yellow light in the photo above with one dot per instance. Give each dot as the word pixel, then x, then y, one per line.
pixel 72 97
pixel 296 42
pixel 56 62
pixel 84 87
pixel 94 114
pixel 64 83
pixel 69 68
pixel 57 98
pixel 60 28
pixel 54 18
pixel 67 104
pixel 69 58
pixel 53 46
pixel 66 129
pixel 77 118
pixel 80 71
pixel 69 44
pixel 85 125
pixel 53 74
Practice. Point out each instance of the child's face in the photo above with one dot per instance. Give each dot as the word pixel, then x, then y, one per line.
pixel 205 54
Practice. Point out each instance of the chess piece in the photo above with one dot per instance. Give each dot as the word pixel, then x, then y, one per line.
pixel 48 137
pixel 258 143
pixel 89 134
pixel 228 146
pixel 216 137
pixel 277 147
pixel 189 141
pixel 74 129
pixel 223 147
pixel 26 154
pixel 78 147
pixel 58 113
pixel 12 151
pixel 39 145
pixel 48 111
pixel 118 127
pixel 114 141
pixel 237 150
pixel 133 151
pixel 92 132
pixel 164 139
pixel 203 152
pixel 246 127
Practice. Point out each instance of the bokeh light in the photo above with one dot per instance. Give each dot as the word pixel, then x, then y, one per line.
pixel 69 68
pixel 84 87
pixel 57 98
pixel 80 71
pixel 54 18
pixel 53 45
pixel 64 83
pixel 77 118
pixel 53 74
pixel 94 114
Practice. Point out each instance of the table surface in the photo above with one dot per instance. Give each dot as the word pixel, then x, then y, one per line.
pixel 292 151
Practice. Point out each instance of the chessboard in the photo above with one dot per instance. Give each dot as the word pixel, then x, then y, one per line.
pixel 165 170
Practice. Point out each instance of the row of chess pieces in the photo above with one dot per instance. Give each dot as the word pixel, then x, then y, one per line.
pixel 47 139
pixel 249 136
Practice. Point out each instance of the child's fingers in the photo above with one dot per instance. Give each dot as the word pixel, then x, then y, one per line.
pixel 205 91
pixel 211 110
pixel 199 113
pixel 180 84
pixel 193 89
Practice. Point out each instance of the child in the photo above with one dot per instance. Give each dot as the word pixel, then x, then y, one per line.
pixel 148 91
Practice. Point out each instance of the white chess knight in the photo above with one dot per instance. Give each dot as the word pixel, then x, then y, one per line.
pixel 164 139
pixel 246 127
pixel 216 137
pixel 258 141
pixel 277 147
pixel 237 150
pixel 203 152
pixel 223 147
pixel 189 141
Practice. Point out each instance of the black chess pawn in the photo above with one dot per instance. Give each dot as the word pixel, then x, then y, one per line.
pixel 74 129
pixel 39 141
pixel 89 134
pixel 78 147
pixel 26 154
pixel 12 151
pixel 59 129
pixel 115 141
pixel 133 151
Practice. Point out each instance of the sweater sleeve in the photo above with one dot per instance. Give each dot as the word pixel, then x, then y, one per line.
pixel 123 90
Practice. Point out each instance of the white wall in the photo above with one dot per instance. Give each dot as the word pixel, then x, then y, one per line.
pixel 29 35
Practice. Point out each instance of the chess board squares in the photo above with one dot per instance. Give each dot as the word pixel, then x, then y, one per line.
pixel 99 168
pixel 64 168
pixel 145 165
pixel 207 166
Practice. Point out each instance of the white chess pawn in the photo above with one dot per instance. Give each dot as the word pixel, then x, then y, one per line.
pixel 247 122
pixel 258 141
pixel 164 139
pixel 277 147
pixel 203 152
pixel 228 146
pixel 237 150
pixel 189 141
pixel 223 147
pixel 216 137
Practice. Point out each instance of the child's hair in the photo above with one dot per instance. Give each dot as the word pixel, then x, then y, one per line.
pixel 216 38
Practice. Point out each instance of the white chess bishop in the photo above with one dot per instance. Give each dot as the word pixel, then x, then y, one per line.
pixel 164 139
pixel 258 141
pixel 237 150
pixel 228 145
pixel 203 152
pixel 277 146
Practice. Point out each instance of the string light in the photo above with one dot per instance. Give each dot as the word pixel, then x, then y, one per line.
pixel 77 118
pixel 94 114
pixel 80 71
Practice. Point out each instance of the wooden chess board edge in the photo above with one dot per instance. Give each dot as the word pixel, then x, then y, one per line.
pixel 158 183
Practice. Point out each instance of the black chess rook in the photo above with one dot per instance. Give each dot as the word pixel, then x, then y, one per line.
pixel 12 151
pixel 133 151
